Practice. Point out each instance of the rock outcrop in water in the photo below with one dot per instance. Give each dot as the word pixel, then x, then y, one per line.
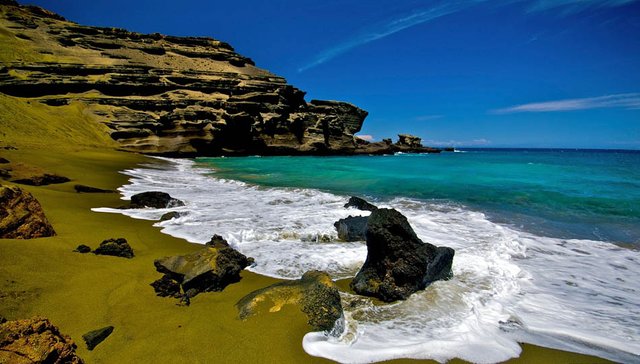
pixel 315 293
pixel 167 95
pixel 398 262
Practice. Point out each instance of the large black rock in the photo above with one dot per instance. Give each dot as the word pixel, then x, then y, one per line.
pixel 155 199
pixel 398 262
pixel 352 228
pixel 205 270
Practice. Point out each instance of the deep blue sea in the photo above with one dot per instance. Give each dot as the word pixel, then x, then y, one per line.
pixel 547 243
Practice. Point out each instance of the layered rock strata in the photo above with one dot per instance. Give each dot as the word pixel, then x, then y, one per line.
pixel 167 95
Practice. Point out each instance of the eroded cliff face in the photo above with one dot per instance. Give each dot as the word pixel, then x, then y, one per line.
pixel 166 95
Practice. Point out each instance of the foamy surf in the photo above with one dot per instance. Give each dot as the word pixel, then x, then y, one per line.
pixel 509 286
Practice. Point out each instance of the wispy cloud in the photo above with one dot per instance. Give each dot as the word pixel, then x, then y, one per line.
pixel 457 143
pixel 428 117
pixel 421 15
pixel 623 101
pixel 392 26
pixel 574 6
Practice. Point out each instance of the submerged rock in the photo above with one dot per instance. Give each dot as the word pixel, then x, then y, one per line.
pixel 4 160
pixel 169 216
pixel 42 180
pixel 21 215
pixel 155 199
pixel 95 337
pixel 115 247
pixel 352 228
pixel 89 189
pixel 360 204
pixel 315 293
pixel 398 263
pixel 205 270
pixel 35 340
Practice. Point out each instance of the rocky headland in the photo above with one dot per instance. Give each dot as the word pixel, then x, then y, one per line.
pixel 173 96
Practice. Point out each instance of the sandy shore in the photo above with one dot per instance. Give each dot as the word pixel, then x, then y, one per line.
pixel 83 292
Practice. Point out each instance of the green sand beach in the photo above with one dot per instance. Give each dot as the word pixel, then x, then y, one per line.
pixel 82 292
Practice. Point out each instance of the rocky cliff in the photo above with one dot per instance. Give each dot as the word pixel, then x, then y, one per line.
pixel 168 95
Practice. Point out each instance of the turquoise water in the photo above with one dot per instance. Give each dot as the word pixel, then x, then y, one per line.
pixel 532 231
pixel 585 194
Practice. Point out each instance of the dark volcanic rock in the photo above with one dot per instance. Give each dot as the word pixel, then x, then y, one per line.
pixel 89 189
pixel 167 287
pixel 115 247
pixel 352 228
pixel 156 199
pixel 35 340
pixel 21 216
pixel 95 337
pixel 217 241
pixel 4 161
pixel 43 180
pixel 398 262
pixel 205 270
pixel 315 293
pixel 360 204
pixel 170 215
pixel 82 249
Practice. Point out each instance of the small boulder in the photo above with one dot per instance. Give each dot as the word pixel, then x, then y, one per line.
pixel 398 263
pixel 42 180
pixel 217 241
pixel 315 293
pixel 5 173
pixel 115 247
pixel 170 215
pixel 89 189
pixel 351 228
pixel 155 199
pixel 35 340
pixel 4 160
pixel 82 249
pixel 205 270
pixel 95 337
pixel 21 215
pixel 360 204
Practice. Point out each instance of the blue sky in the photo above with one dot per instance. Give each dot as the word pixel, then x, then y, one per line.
pixel 489 73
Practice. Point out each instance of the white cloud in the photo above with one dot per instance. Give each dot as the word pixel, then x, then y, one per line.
pixel 457 143
pixel 442 8
pixel 366 137
pixel 623 101
pixel 388 28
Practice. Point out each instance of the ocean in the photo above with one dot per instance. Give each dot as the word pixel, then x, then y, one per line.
pixel 547 243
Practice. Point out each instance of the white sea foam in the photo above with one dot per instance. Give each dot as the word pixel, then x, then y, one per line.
pixel 508 287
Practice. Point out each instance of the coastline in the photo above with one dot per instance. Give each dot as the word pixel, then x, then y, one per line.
pixel 82 292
